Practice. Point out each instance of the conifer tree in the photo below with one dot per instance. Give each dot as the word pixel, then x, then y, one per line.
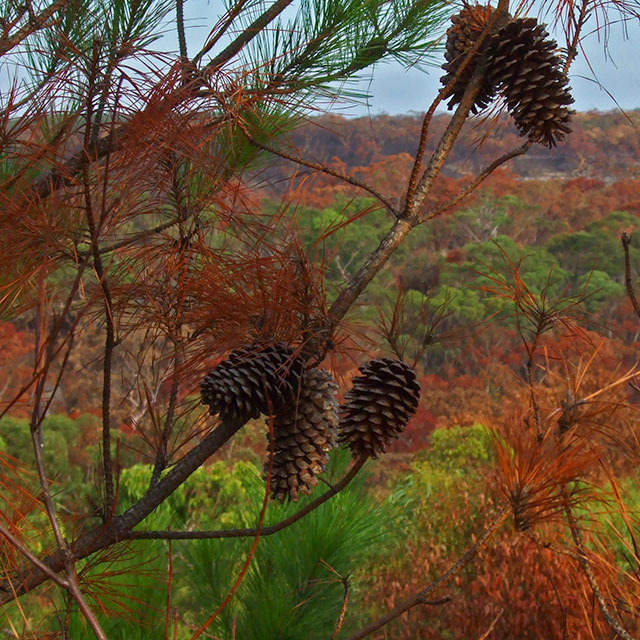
pixel 127 212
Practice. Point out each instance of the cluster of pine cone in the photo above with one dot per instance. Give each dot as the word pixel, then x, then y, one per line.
pixel 517 61
pixel 305 417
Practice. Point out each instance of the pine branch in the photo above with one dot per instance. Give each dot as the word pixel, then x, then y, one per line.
pixel 249 33
pixel 182 39
pixel 250 533
pixel 35 23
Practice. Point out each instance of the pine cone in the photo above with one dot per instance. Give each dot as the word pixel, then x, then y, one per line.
pixel 523 65
pixel 378 406
pixel 304 433
pixel 461 36
pixel 252 380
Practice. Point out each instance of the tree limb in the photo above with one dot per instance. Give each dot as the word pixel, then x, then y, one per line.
pixel 120 526
pixel 35 23
pixel 249 533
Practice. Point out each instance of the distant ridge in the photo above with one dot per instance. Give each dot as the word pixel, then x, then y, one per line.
pixel 605 145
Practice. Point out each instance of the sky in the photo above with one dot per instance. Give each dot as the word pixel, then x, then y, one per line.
pixel 395 90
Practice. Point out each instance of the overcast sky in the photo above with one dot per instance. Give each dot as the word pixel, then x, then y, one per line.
pixel 396 90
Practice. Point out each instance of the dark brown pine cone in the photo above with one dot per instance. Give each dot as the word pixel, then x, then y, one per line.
pixel 252 380
pixel 462 35
pixel 304 433
pixel 523 65
pixel 378 406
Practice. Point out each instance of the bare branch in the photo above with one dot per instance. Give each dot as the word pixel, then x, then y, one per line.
pixel 626 241
pixel 343 608
pixel 110 340
pixel 324 169
pixel 15 542
pixel 412 206
pixel 479 179
pixel 182 40
pixel 250 533
pixel 35 23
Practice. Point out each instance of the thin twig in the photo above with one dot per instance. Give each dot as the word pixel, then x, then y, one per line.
pixel 323 169
pixel 583 561
pixel 442 150
pixel 481 177
pixel 110 341
pixel 421 597
pixel 37 416
pixel 211 42
pixel 492 626
pixel 15 542
pixel 625 238
pixel 343 608
pixel 249 33
pixel 249 533
pixel 35 23
pixel 442 94
pixel 572 49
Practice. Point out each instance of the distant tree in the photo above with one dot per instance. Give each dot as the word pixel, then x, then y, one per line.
pixel 126 206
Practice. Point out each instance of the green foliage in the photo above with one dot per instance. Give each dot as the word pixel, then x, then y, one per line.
pixel 600 288
pixel 459 449
pixel 17 436
pixel 289 592
pixel 438 484
pixel 331 40
pixel 465 305
pixel 116 29
pixel 210 494
pixel 62 437
pixel 596 247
